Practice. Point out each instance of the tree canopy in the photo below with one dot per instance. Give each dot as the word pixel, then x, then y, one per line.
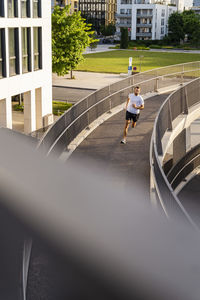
pixel 70 37
pixel 108 30
pixel 175 23
pixel 185 23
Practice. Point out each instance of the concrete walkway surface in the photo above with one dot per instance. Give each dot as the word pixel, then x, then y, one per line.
pixel 129 162
pixel 85 80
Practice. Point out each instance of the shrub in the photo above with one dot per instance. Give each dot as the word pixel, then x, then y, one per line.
pixel 60 107
pixel 124 38
pixel 18 107
pixel 155 47
pixel 167 47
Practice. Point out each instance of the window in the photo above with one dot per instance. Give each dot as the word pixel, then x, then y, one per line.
pixel 25 8
pixel 163 13
pixel 36 8
pixel 12 9
pixel 162 22
pixel 37 40
pixel 162 30
pixel 2 9
pixel 26 50
pixel 13 51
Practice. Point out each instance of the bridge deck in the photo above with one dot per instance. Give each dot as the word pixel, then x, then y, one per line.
pixel 128 162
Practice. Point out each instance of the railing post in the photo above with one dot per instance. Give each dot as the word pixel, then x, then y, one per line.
pixel 156 85
pixel 88 116
pixel 182 78
pixel 170 127
pixel 185 101
pixel 159 142
pixel 26 260
pixel 110 106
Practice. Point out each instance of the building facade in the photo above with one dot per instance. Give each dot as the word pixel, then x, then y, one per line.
pixel 98 12
pixel 144 20
pixel 150 21
pixel 111 9
pixel 62 3
pixel 25 61
pixel 196 3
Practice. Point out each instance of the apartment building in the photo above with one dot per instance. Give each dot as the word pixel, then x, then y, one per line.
pixel 98 12
pixel 62 3
pixel 25 61
pixel 196 3
pixel 111 12
pixel 143 19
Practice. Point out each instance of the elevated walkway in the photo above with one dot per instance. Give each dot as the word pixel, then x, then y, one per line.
pixel 128 162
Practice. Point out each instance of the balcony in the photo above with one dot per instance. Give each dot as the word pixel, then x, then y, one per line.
pixel 144 34
pixel 123 15
pixel 123 24
pixel 144 15
pixel 144 25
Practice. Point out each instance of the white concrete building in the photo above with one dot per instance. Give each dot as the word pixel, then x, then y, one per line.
pixel 150 21
pixel 144 18
pixel 25 61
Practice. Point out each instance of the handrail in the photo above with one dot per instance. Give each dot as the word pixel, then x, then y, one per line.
pixel 134 77
pixel 163 188
pixel 180 170
pixel 51 136
pixel 106 98
pixel 88 108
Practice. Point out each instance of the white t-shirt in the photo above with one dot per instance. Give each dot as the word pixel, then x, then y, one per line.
pixel 137 100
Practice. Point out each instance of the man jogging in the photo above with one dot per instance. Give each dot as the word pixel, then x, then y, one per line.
pixel 133 105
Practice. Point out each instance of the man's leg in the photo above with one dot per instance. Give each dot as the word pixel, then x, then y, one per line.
pixel 133 124
pixel 135 118
pixel 126 129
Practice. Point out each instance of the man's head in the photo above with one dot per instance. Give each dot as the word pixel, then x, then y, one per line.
pixel 136 90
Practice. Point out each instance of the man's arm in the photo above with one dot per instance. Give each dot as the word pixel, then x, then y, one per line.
pixel 127 103
pixel 138 107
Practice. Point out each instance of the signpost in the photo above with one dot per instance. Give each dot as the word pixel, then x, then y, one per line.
pixel 130 66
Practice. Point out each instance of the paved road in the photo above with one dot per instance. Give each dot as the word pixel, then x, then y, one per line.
pixel 128 162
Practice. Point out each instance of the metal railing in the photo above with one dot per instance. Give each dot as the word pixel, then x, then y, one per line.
pixel 178 103
pixel 184 167
pixel 83 113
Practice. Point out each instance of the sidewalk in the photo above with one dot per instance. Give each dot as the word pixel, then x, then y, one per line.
pixel 85 80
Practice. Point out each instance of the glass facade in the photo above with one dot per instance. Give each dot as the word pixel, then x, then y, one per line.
pixel 37 48
pixel 94 12
pixel 1 57
pixel 2 9
pixel 26 50
pixel 13 38
pixel 19 59
pixel 12 8
pixel 12 52
pixel 36 8
pixel 25 8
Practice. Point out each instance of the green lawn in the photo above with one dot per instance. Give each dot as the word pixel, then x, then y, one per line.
pixel 117 61
pixel 60 107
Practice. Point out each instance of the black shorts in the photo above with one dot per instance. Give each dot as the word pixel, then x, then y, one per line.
pixel 130 116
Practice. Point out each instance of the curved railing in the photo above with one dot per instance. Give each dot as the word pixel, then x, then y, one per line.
pixel 179 103
pixel 83 113
pixel 184 167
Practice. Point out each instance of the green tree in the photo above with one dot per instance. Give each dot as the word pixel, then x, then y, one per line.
pixel 191 26
pixel 175 26
pixel 70 37
pixel 124 38
pixel 108 30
